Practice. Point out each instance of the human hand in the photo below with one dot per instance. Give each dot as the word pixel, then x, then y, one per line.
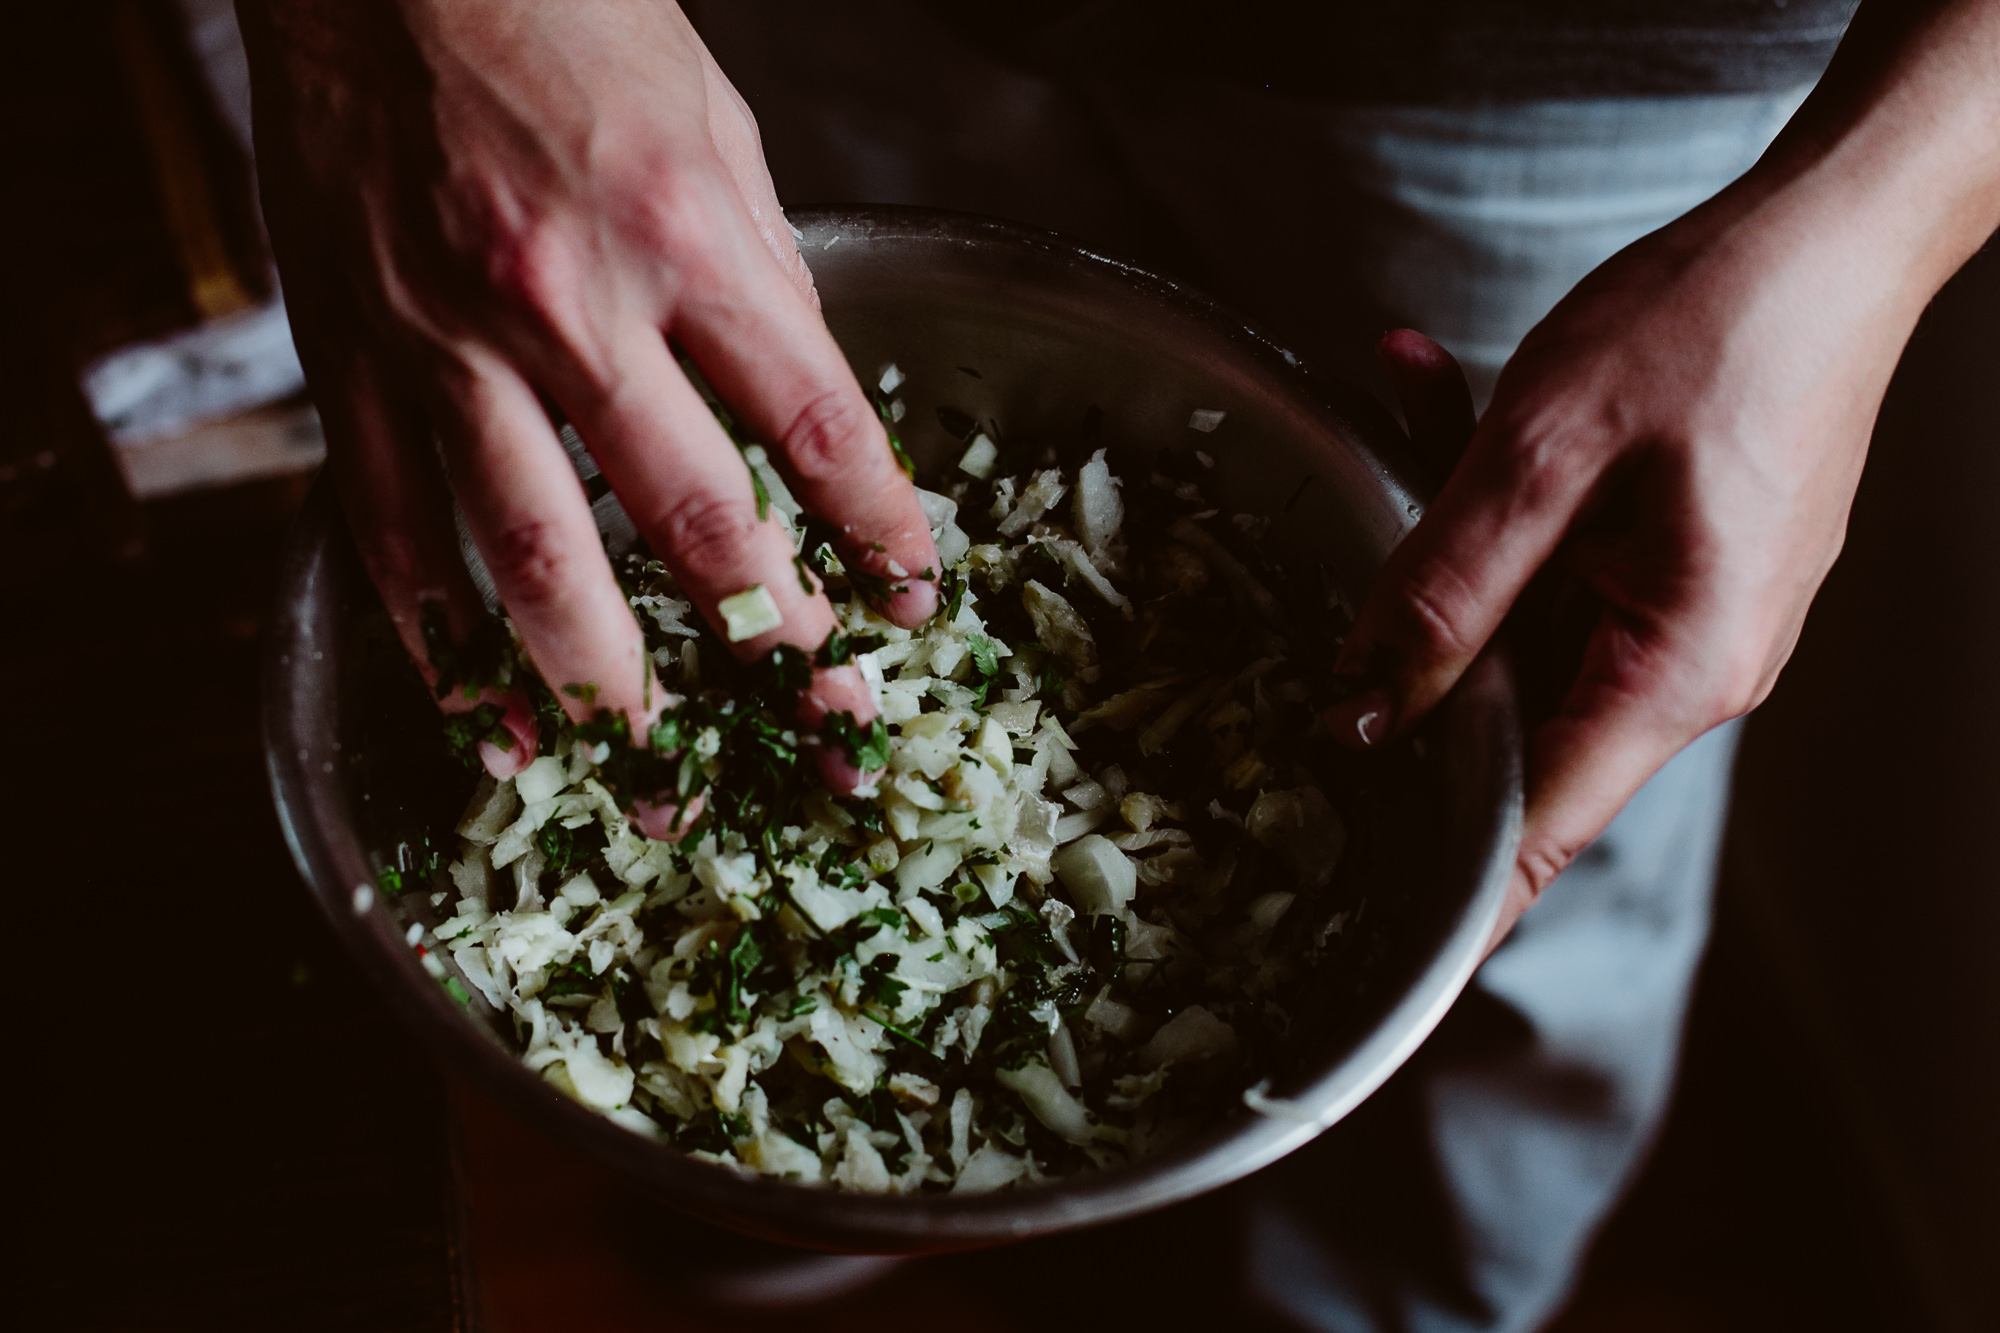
pixel 483 206
pixel 1682 438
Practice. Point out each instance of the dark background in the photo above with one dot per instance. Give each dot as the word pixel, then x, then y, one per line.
pixel 215 1127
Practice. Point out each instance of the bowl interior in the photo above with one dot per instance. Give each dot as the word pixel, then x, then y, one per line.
pixel 1050 342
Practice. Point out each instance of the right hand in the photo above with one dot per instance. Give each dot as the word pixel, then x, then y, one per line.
pixel 479 206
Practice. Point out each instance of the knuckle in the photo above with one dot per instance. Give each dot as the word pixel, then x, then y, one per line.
pixel 530 268
pixel 827 441
pixel 704 531
pixel 668 207
pixel 1734 694
pixel 1436 604
pixel 1541 862
pixel 1540 465
pixel 533 564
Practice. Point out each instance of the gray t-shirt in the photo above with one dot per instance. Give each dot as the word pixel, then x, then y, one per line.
pixel 1424 50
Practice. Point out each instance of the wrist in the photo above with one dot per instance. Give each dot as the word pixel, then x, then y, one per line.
pixel 1891 169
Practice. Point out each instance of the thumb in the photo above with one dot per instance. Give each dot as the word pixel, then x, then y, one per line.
pixel 1447 587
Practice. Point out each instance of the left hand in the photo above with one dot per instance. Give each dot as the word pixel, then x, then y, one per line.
pixel 1683 434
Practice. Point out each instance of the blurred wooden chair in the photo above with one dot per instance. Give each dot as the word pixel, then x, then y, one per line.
pixel 131 216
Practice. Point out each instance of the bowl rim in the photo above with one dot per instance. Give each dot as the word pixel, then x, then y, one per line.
pixel 300 667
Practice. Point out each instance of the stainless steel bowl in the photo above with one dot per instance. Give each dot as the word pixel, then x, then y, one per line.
pixel 1053 333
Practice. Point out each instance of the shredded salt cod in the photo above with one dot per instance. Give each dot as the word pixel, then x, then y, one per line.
pixel 1061 927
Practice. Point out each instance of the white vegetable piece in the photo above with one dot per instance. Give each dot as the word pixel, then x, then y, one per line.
pixel 1206 419
pixel 997 881
pixel 1043 493
pixel 1304 826
pixel 987 1170
pixel 979 457
pixel 1192 1034
pixel 750 613
pixel 1120 1020
pixel 1062 1057
pixel 993 747
pixel 1059 626
pixel 1045 1096
pixel 939 510
pixel 961 1128
pixel 541 780
pixel 1097 874
pixel 928 868
pixel 1017 719
pixel 1098 512
pixel 593 1078
pixel 1086 795
pixel 1074 825
pixel 490 810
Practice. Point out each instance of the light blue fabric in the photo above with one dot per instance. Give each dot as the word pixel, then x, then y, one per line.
pixel 1466 223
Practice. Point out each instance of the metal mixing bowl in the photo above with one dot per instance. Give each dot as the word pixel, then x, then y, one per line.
pixel 1054 333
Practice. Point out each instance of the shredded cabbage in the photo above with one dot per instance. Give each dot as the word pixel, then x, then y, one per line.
pixel 1050 936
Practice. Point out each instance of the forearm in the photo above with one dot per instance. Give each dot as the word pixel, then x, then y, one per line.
pixel 1891 169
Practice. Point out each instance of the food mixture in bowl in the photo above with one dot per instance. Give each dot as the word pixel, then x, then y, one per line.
pixel 1067 925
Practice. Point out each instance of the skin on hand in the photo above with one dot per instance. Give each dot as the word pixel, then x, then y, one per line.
pixel 487 209
pixel 1683 435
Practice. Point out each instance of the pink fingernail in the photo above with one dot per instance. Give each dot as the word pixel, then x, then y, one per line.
pixel 917 605
pixel 507 761
pixel 665 823
pixel 1361 723
pixel 842 778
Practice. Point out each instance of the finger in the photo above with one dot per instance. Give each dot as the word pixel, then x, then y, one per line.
pixel 733 131
pixel 1639 698
pixel 400 515
pixel 838 690
pixel 688 491
pixel 1437 402
pixel 533 527
pixel 768 354
pixel 381 460
pixel 1447 587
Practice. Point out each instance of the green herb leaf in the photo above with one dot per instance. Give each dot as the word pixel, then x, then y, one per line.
pixel 840 649
pixel 954 595
pixel 463 733
pixel 879 985
pixel 758 488
pixel 866 748
pixel 985 654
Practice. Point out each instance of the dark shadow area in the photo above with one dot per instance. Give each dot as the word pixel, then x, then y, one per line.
pixel 215 1126
pixel 1831 1161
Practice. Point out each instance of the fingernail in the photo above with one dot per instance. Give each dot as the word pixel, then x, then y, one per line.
pixel 665 823
pixel 842 778
pixel 507 761
pixel 916 605
pixel 1361 723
